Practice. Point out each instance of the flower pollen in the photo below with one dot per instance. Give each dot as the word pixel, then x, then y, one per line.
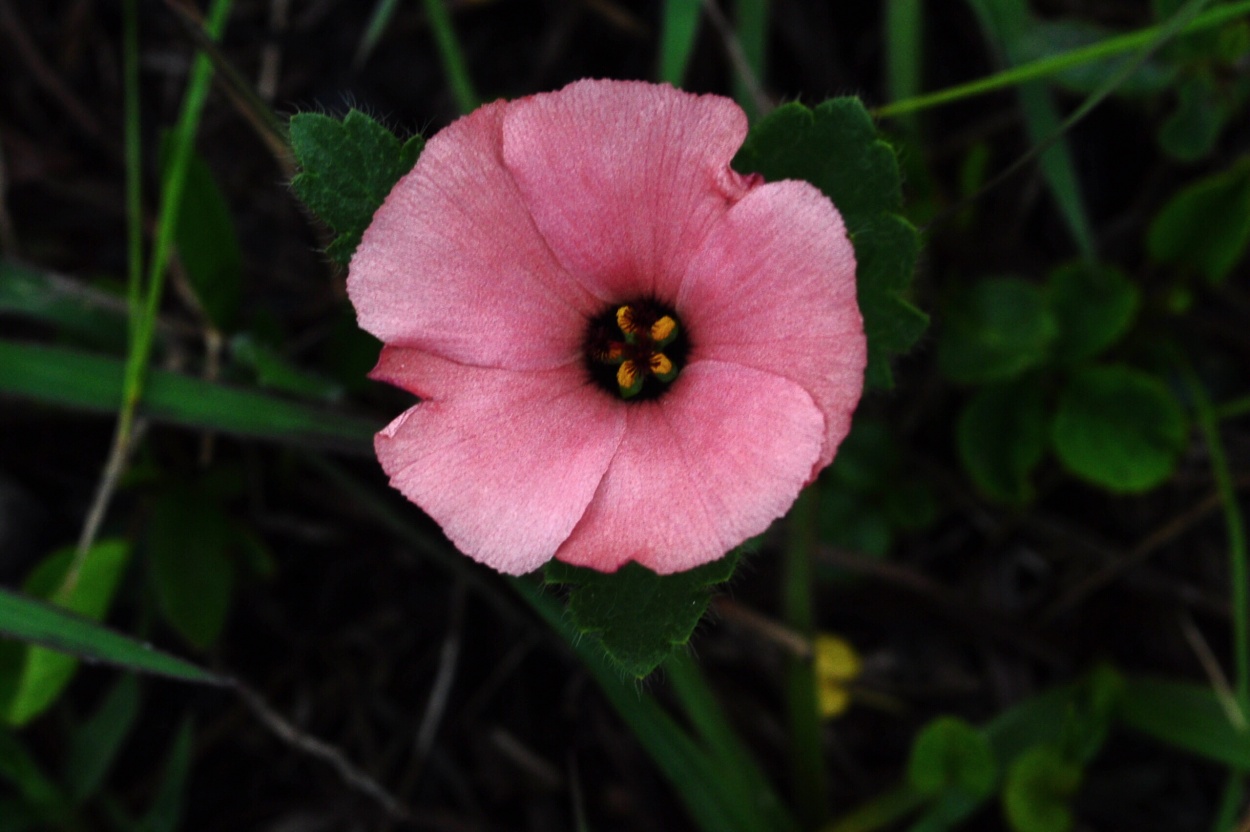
pixel 635 350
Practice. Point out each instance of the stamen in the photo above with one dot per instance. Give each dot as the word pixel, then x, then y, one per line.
pixel 625 320
pixel 636 349
pixel 629 379
pixel 663 331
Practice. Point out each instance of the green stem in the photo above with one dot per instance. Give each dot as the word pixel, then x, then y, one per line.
pixel 146 307
pixel 1233 409
pixel 1239 576
pixel 452 57
pixel 134 162
pixel 1046 67
pixel 807 764
pixel 1239 572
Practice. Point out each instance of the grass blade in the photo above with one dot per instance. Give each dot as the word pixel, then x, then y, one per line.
pixel 1006 23
pixel 92 382
pixel 1043 68
pixel 752 33
pixel 33 621
pixel 678 30
pixel 453 59
pixel 904 43
pixel 1187 716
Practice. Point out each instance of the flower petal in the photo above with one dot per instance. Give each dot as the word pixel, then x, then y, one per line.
pixel 506 462
pixel 774 288
pixel 715 461
pixel 624 178
pixel 452 263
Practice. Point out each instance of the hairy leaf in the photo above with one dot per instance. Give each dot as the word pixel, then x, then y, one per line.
pixel 347 168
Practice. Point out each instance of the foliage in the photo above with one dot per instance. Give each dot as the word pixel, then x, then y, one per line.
pixel 1086 311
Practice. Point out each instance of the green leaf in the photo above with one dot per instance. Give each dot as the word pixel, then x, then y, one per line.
pixel 275 371
pixel 866 458
pixel 347 168
pixel 853 522
pixel 1001 435
pixel 995 329
pixel 165 813
pixel 1119 428
pixel 94 382
pixel 836 148
pixel 18 767
pixel 1187 716
pixel 1088 720
pixel 1205 228
pixel 89 315
pixel 1192 129
pixel 94 744
pixel 28 619
pixel 1039 785
pixel 640 617
pixel 207 243
pixel 1094 306
pixel 39 675
pixel 188 538
pixel 951 755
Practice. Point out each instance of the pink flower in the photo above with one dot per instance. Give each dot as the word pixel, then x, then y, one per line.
pixel 624 350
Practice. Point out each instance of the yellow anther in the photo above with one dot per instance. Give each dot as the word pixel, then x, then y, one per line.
pixel 625 320
pixel 627 377
pixel 660 365
pixel 663 329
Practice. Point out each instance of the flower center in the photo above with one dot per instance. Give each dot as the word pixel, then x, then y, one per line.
pixel 636 349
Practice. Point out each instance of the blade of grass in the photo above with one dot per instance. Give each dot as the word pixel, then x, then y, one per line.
pixel 1239 572
pixel 734 764
pixel 1006 22
pixel 1053 65
pixel 247 101
pixel 452 58
pixel 904 28
pixel 134 157
pixel 1175 25
pixel 143 327
pixel 1235 525
pixel 678 29
pixel 1187 716
pixel 92 382
pixel 751 19
pixel 714 803
pixel 34 621
pixel 381 18
pixel 807 761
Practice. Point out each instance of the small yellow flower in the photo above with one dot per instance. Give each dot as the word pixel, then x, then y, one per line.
pixel 836 663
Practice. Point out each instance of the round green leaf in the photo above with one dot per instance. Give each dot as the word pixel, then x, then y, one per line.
pixel 995 330
pixel 1194 126
pixel 1002 437
pixel 1039 785
pixel 1206 227
pixel 1119 428
pixel 949 754
pixel 1094 306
